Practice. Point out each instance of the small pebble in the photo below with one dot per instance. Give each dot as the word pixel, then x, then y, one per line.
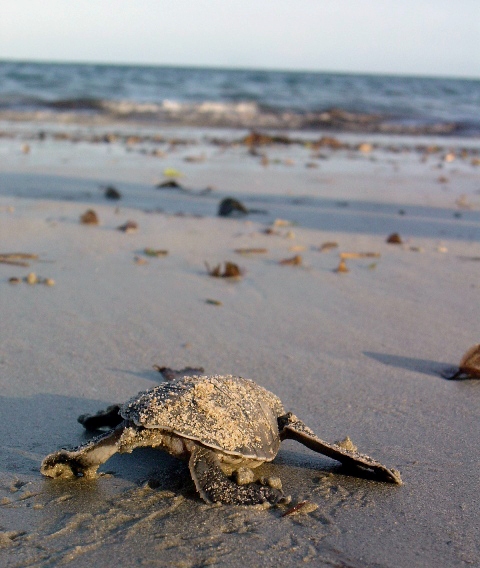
pixel 342 267
pixel 31 278
pixel 394 239
pixel 89 218
pixel 112 193
pixel 129 227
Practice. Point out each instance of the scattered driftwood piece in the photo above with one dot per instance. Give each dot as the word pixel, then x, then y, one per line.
pixel 18 255
pixel 17 258
pixel 303 508
pixel 89 218
pixel 231 270
pixel 251 250
pixel 296 260
pixel 174 374
pixel 155 252
pixel 347 255
pixel 111 192
pixel 329 245
pixel 394 239
pixel 129 227
pixel 469 367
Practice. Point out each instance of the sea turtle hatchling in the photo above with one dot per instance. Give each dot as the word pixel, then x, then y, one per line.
pixel 221 425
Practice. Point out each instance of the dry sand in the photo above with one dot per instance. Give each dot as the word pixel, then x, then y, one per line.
pixel 359 353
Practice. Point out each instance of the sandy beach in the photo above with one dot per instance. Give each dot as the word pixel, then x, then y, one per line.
pixel 363 353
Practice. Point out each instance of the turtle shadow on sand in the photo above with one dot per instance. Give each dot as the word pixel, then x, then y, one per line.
pixel 425 366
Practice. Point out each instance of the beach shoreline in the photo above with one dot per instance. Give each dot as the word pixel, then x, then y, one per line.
pixel 362 353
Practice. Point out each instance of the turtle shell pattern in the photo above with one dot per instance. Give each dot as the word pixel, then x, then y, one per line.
pixel 226 413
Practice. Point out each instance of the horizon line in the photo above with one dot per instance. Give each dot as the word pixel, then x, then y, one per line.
pixel 236 68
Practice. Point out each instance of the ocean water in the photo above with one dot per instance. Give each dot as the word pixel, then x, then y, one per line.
pixel 243 98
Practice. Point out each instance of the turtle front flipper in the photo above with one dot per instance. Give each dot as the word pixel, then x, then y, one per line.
pixel 83 460
pixel 290 427
pixel 215 487
pixel 108 418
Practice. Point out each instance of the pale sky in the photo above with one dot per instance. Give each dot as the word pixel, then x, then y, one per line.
pixel 419 37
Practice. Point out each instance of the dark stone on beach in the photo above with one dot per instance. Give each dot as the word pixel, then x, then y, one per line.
pixel 89 218
pixel 394 239
pixel 112 193
pixel 230 206
pixel 169 184
pixel 231 270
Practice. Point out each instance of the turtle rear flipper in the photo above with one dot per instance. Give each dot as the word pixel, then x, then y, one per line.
pixel 83 460
pixel 108 418
pixel 290 427
pixel 215 487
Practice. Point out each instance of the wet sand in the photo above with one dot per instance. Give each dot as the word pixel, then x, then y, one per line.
pixel 362 353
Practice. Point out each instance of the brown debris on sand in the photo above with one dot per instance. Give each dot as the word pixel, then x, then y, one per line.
pixel 170 184
pixel 342 266
pixel 174 374
pixel 17 258
pixel 328 142
pixel 348 255
pixel 173 184
pixel 156 253
pixel 31 279
pixel 129 227
pixel 111 192
pixel 296 260
pixel 469 367
pixel 89 218
pixel 329 245
pixel 231 270
pixel 230 206
pixel 394 239
pixel 260 139
pixel 251 250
